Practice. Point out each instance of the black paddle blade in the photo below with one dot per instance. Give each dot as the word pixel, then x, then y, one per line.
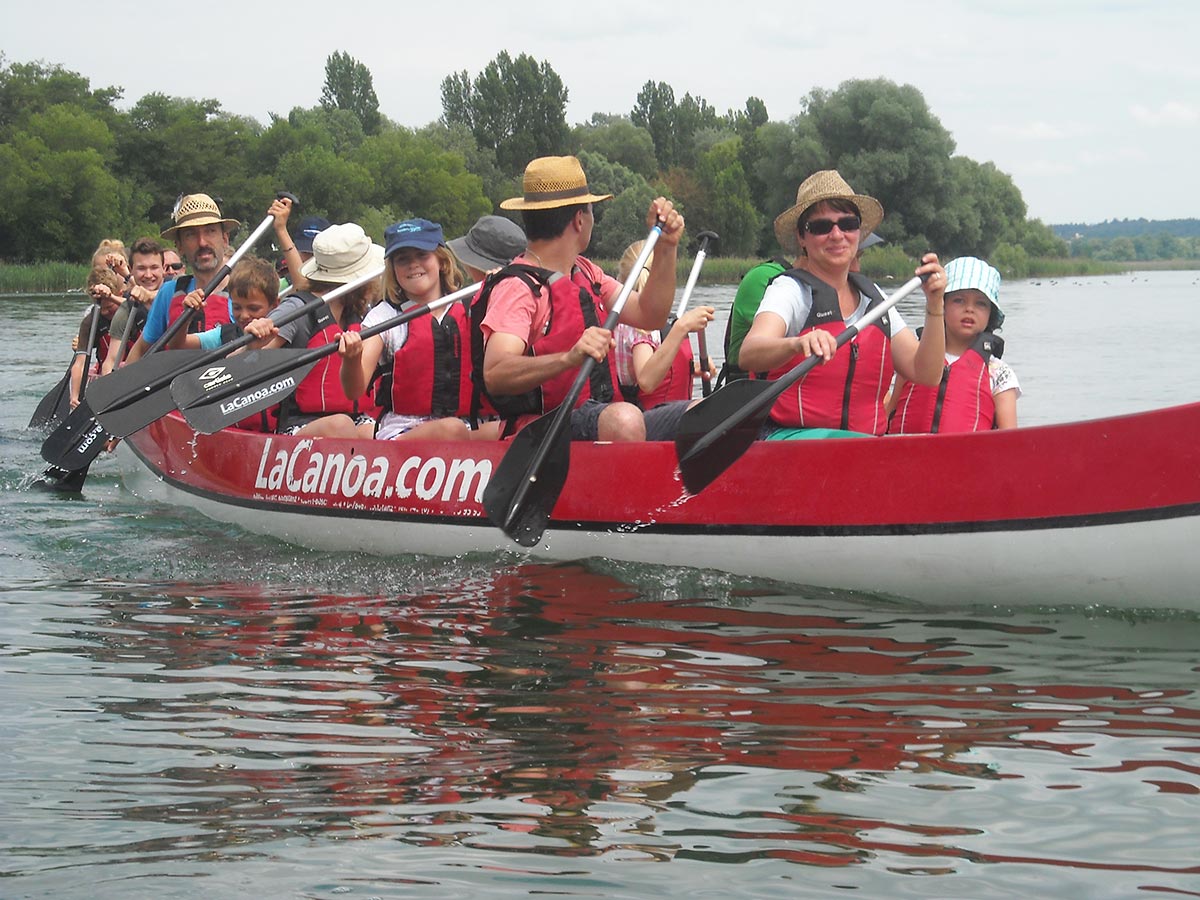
pixel 231 389
pixel 61 481
pixel 521 495
pixel 54 406
pixel 76 442
pixel 707 443
pixel 129 382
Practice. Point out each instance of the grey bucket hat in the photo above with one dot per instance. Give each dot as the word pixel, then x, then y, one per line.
pixel 492 242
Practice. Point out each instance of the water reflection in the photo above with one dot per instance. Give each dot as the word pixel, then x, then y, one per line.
pixel 562 712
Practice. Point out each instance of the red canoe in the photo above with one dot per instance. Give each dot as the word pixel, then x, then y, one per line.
pixel 1103 512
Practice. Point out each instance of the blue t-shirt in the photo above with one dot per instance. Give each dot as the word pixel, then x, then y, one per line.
pixel 160 311
pixel 211 339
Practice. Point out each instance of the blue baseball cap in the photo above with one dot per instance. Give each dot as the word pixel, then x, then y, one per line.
pixel 310 227
pixel 419 233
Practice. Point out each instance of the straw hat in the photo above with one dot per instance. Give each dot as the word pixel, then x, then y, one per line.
pixel 825 185
pixel 342 253
pixel 492 242
pixel 968 273
pixel 198 209
pixel 553 181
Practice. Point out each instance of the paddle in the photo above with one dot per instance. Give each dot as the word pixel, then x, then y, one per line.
pixel 126 332
pixel 705 237
pixel 220 397
pixel 81 437
pixel 521 494
pixel 66 480
pixel 57 402
pixel 715 432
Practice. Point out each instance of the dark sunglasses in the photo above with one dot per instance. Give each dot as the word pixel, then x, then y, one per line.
pixel 824 226
pixel 173 267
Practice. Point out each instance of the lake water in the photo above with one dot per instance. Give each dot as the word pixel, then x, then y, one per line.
pixel 190 710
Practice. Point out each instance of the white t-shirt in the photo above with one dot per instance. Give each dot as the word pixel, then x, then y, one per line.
pixel 792 302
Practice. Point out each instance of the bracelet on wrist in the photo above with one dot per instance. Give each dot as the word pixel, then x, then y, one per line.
pixel 288 249
pixel 936 315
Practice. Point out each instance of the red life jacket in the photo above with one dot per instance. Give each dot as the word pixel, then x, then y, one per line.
pixel 431 373
pixel 847 392
pixel 215 311
pixel 103 338
pixel 575 306
pixel 677 385
pixel 320 392
pixel 266 420
pixel 963 400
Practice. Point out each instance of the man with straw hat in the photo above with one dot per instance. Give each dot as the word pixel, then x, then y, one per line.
pixel 201 236
pixel 542 316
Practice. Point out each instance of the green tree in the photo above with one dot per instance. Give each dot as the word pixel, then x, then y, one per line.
pixel 1120 249
pixel 982 208
pixel 884 140
pixel 480 161
pixel 516 107
pixel 654 110
pixel 607 177
pixel 57 203
pixel 411 175
pixel 619 140
pixel 327 184
pixel 692 116
pixel 29 89
pixel 729 208
pixel 171 145
pixel 746 123
pixel 789 153
pixel 349 86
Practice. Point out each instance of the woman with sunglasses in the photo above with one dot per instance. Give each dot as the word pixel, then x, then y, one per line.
pixel 804 310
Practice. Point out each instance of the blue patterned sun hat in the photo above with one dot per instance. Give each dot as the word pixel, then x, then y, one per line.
pixel 967 273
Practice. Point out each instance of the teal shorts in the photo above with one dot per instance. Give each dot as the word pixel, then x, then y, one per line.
pixel 812 434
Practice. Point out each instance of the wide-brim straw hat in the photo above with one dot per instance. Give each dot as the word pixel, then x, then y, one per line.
pixel 341 254
pixel 820 186
pixel 551 182
pixel 492 242
pixel 198 209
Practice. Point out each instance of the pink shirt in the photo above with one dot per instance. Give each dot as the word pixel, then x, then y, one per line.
pixel 512 309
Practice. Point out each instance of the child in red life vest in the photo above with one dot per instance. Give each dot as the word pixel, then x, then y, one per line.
pixel 105 288
pixel 978 390
pixel 425 390
pixel 341 254
pixel 651 368
pixel 253 292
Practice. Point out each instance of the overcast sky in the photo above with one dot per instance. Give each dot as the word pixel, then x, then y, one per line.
pixel 1092 107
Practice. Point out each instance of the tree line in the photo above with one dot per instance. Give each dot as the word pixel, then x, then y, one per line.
pixel 75 168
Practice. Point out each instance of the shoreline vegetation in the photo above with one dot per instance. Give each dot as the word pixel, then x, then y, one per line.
pixel 64 277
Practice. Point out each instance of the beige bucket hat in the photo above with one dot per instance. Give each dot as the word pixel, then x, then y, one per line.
pixel 342 253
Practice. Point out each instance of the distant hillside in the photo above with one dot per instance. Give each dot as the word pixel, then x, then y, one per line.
pixel 1130 228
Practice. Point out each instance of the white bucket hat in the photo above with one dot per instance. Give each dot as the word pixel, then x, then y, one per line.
pixel 971 273
pixel 341 253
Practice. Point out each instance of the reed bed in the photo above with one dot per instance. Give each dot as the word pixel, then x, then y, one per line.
pixel 42 277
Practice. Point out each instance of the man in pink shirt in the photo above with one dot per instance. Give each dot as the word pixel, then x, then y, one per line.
pixel 531 357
